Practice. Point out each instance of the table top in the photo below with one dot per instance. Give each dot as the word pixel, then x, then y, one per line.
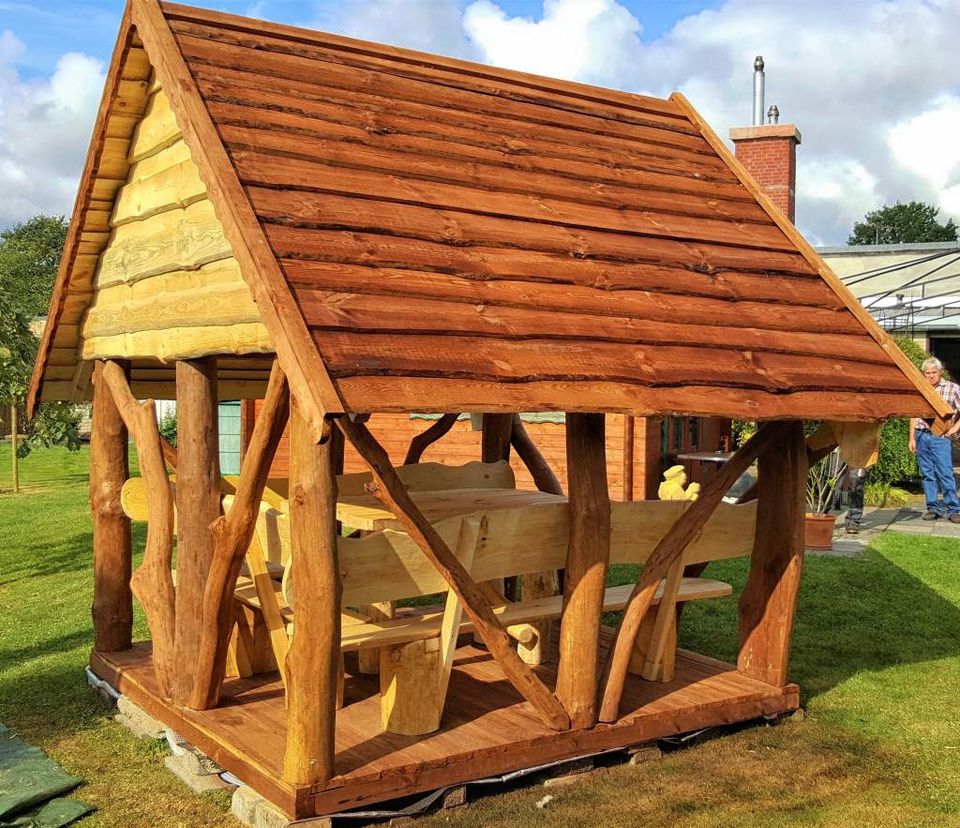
pixel 367 513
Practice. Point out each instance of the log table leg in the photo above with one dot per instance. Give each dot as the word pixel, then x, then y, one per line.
pixel 536 584
pixel 109 470
pixel 313 660
pixel 586 570
pixel 369 659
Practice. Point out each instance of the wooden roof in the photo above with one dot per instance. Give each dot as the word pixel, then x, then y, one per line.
pixel 422 233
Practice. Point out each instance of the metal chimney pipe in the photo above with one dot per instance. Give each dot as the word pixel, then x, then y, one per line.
pixel 758 90
pixel 773 114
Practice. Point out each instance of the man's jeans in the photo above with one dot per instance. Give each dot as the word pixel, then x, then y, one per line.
pixel 935 458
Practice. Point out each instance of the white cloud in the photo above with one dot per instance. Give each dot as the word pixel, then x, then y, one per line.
pixel 587 40
pixel 428 25
pixel 45 126
pixel 926 145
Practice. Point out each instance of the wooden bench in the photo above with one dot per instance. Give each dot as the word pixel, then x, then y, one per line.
pixel 416 649
pixel 269 550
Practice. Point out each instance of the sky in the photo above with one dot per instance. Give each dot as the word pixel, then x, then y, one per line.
pixel 873 85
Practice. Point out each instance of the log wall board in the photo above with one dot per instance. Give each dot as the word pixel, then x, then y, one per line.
pixel 416 228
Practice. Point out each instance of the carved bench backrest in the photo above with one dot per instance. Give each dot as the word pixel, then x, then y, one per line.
pixel 428 477
pixel 389 566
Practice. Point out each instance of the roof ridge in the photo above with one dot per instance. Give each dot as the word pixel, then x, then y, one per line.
pixel 574 89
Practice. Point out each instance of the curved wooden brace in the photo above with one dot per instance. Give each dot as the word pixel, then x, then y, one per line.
pixel 152 583
pixel 425 439
pixel 543 476
pixel 667 553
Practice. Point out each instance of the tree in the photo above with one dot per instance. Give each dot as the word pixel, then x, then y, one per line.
pixel 29 256
pixel 901 223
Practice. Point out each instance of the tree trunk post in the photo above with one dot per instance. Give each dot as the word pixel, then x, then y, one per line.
pixel 109 470
pixel 198 506
pixel 586 570
pixel 495 440
pixel 313 661
pixel 769 599
pixel 629 442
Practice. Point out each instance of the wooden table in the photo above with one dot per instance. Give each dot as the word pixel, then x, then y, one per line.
pixel 369 514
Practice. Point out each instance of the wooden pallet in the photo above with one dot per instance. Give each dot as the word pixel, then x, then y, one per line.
pixel 487 728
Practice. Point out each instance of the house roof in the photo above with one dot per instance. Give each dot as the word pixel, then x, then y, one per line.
pixel 422 233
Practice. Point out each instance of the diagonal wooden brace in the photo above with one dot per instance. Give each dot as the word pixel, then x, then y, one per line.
pixel 391 491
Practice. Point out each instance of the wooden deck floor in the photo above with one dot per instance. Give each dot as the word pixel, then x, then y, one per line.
pixel 487 728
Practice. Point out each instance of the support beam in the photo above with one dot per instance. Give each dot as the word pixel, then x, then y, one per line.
pixel 388 487
pixel 425 439
pixel 667 552
pixel 152 583
pixel 588 555
pixel 232 534
pixel 109 470
pixel 313 661
pixel 198 506
pixel 769 599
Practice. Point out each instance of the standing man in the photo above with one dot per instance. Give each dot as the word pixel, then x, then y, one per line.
pixel 935 454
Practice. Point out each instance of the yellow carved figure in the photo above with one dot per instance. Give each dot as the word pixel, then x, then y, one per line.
pixel 674 486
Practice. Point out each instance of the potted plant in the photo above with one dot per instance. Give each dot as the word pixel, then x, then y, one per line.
pixel 822 481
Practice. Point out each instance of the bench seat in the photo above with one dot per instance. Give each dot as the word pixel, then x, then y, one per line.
pixel 425 622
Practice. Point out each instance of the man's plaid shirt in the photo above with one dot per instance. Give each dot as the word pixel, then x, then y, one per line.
pixel 950 392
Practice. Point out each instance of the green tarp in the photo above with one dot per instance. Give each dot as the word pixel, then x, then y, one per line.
pixel 30 785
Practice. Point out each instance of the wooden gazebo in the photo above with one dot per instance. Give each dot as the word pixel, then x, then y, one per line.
pixel 342 228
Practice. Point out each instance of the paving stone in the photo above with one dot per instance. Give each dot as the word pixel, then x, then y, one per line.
pixel 645 753
pixel 569 772
pixel 268 816
pixel 244 804
pixel 182 768
pixel 454 797
pixel 909 528
pixel 255 811
pixel 137 720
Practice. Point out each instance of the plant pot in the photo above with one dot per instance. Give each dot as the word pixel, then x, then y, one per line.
pixel 818 531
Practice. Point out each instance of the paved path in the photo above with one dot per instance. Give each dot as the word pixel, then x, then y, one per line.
pixel 875 521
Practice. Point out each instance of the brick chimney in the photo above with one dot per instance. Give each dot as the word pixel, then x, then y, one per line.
pixel 769 150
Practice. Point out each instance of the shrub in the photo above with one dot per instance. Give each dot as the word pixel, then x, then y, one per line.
pixel 885 495
pixel 167 426
pixel 895 462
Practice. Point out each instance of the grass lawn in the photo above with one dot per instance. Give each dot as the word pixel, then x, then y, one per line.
pixel 876 652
